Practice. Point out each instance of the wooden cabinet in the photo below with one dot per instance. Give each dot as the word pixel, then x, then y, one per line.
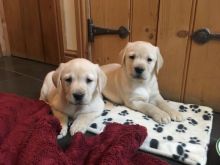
pixel 49 31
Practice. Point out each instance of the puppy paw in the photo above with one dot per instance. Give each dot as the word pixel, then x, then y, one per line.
pixel 78 127
pixel 161 117
pixel 176 116
pixel 63 132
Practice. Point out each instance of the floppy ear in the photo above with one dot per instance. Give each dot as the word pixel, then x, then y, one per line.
pixel 159 62
pixel 122 53
pixel 102 79
pixel 56 75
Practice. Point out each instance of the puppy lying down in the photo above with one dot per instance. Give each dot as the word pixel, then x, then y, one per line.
pixel 74 89
pixel 134 83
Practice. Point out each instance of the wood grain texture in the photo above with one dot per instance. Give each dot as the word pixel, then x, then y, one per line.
pixel 4 41
pixel 80 31
pixel 15 27
pixel 144 20
pixel 50 32
pixel 174 16
pixel 32 29
pixel 109 14
pixel 204 65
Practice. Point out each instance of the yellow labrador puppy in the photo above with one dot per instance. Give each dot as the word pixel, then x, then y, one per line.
pixel 134 83
pixel 74 89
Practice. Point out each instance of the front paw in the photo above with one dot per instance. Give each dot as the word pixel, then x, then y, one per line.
pixel 63 132
pixel 78 127
pixel 161 117
pixel 176 116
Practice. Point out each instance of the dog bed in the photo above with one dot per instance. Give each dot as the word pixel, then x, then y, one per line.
pixel 185 141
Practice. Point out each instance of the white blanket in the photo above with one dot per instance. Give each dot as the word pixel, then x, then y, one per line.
pixel 185 141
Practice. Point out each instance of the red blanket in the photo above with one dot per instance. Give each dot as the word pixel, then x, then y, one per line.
pixel 28 136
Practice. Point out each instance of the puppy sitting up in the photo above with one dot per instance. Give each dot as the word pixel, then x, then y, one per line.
pixel 134 83
pixel 74 89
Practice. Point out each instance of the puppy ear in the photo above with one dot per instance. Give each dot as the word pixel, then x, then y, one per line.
pixel 102 79
pixel 122 53
pixel 159 62
pixel 56 75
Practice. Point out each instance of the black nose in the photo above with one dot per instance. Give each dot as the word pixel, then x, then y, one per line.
pixel 78 96
pixel 139 70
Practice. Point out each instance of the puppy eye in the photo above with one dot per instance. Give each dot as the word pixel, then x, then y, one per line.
pixel 88 80
pixel 132 56
pixel 69 80
pixel 149 59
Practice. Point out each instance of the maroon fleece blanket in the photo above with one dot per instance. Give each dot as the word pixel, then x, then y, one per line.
pixel 28 134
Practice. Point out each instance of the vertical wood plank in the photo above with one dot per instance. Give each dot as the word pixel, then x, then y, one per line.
pixel 109 14
pixel 144 20
pixel 15 28
pixel 173 27
pixel 203 75
pixel 32 29
pixel 48 16
pixel 4 41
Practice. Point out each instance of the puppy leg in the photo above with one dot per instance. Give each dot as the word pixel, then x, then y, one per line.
pixel 63 122
pixel 82 121
pixel 175 115
pixel 150 110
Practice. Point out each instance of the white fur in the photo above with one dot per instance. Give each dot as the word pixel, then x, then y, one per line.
pixel 139 92
pixel 57 91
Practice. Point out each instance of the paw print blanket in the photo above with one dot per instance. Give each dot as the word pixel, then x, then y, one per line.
pixel 185 141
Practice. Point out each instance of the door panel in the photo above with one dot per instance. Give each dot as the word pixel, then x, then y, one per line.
pixel 32 29
pixel 49 22
pixel 15 28
pixel 203 80
pixel 109 14
pixel 144 20
pixel 172 37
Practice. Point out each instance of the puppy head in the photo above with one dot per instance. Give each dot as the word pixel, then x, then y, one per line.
pixel 141 59
pixel 79 80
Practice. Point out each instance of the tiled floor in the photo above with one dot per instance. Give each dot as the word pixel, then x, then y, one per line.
pixel 25 77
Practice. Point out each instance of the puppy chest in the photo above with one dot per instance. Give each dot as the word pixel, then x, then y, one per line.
pixel 141 93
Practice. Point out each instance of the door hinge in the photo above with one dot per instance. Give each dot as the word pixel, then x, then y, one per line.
pixel 93 31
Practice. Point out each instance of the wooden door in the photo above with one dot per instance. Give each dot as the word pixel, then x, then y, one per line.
pixel 109 14
pixel 33 29
pixel 203 80
pixel 158 22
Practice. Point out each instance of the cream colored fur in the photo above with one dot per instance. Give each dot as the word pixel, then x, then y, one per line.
pixel 76 76
pixel 139 91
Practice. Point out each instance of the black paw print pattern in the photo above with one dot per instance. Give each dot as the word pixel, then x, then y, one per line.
pixel 158 128
pixel 145 117
pixel 192 121
pixel 194 140
pixel 207 115
pixel 107 120
pixel 93 125
pixel 181 128
pixel 128 122
pixel 207 129
pixel 182 153
pixel 169 138
pixel 123 113
pixel 182 108
pixel 195 108
pixel 154 143
pixel 105 112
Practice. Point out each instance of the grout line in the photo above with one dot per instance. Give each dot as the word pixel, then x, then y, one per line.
pixel 28 76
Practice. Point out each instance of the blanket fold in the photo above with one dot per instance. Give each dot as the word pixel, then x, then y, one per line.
pixel 28 136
